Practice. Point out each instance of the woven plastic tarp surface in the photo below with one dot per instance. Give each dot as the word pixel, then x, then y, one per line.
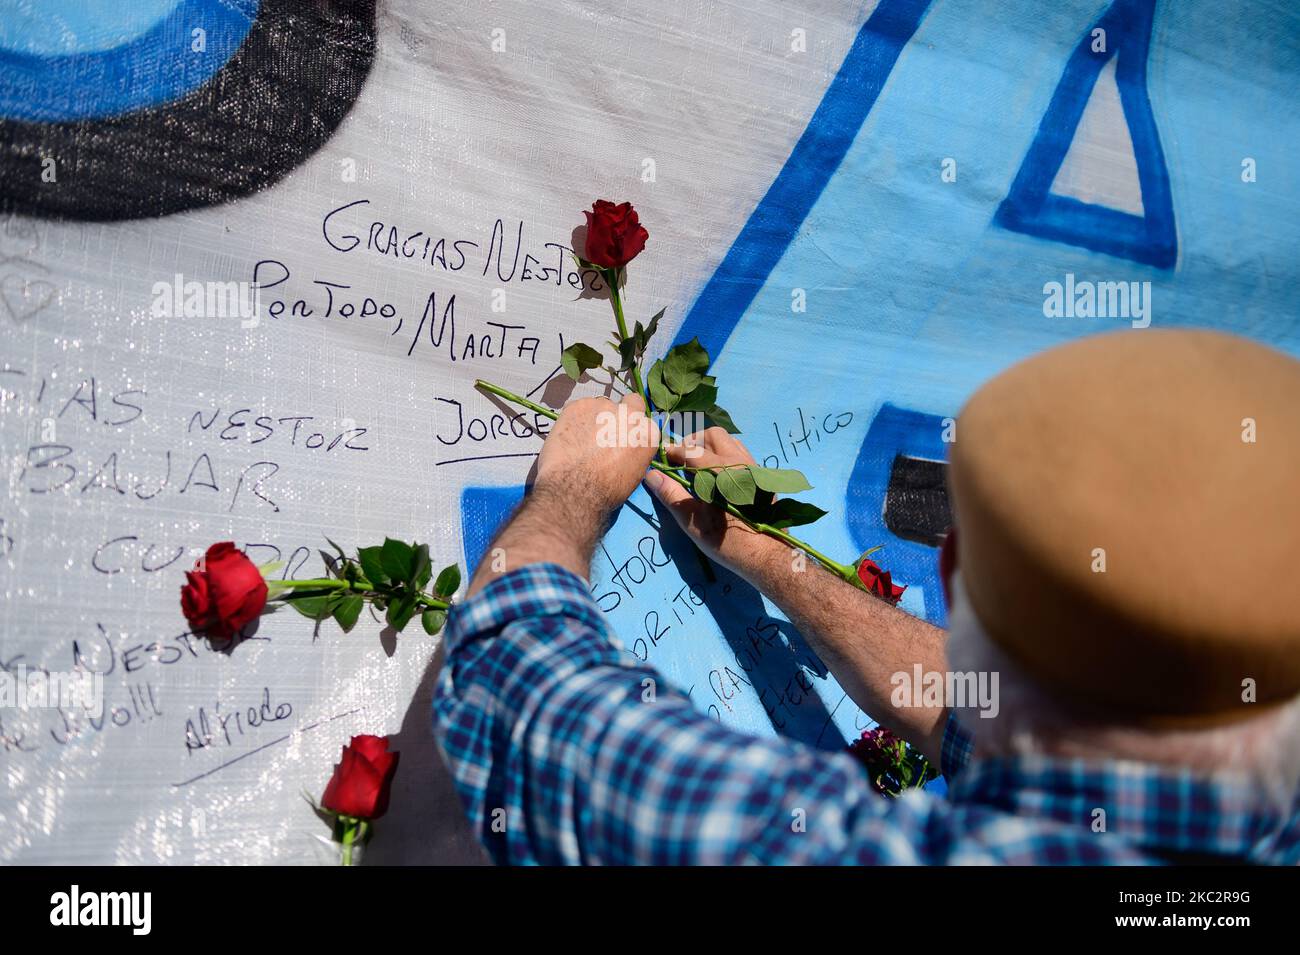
pixel 859 208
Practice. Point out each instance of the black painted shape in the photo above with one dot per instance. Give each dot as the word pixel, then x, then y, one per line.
pixel 916 502
pixel 276 102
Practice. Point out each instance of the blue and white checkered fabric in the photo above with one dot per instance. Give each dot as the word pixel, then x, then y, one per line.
pixel 562 755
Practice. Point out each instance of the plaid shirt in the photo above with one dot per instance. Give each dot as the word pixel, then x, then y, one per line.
pixel 567 749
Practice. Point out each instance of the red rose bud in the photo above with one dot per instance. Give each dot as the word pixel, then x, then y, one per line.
pixel 615 235
pixel 882 753
pixel 362 779
pixel 879 582
pixel 224 593
pixel 874 745
pixel 893 765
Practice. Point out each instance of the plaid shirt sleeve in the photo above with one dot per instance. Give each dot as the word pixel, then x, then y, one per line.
pixel 957 747
pixel 567 749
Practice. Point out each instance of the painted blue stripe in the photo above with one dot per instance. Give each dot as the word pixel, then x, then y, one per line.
pixel 482 511
pixel 63 27
pixel 1029 206
pixel 819 152
pixel 895 431
pixel 156 67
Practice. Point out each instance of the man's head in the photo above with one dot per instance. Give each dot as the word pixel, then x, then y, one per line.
pixel 1128 548
pixel 1030 719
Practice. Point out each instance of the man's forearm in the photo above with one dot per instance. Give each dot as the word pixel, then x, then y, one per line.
pixel 548 527
pixel 863 640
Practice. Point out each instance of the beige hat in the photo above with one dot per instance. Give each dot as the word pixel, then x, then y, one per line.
pixel 1129 517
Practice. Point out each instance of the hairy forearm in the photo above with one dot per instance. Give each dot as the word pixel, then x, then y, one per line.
pixel 555 526
pixel 861 639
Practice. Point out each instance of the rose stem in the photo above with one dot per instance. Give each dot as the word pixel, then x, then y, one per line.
pixel 616 297
pixel 363 588
pixel 349 833
pixel 844 571
pixel 611 278
pixel 517 399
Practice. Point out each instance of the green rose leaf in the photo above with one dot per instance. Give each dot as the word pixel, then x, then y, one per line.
pixel 316 608
pixel 347 612
pixel 663 396
pixel 433 620
pixel 333 566
pixel 787 512
pixel 627 352
pixel 632 349
pixel 398 559
pixel 372 565
pixel 652 327
pixel 737 485
pixel 448 581
pixel 423 567
pixel 718 418
pixel 401 610
pixel 685 365
pixel 578 357
pixel 702 398
pixel 780 480
pixel 705 483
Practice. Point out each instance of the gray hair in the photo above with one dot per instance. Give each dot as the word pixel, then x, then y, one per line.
pixel 1264 749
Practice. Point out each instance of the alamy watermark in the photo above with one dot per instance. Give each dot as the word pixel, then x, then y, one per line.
pixel 1085 299
pixel 617 428
pixel 181 299
pixel 37 689
pixel 954 689
pixel 133 910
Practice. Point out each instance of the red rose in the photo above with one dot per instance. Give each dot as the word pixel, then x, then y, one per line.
pixel 615 235
pixel 875 745
pixel 361 780
pixel 892 765
pixel 223 593
pixel 879 582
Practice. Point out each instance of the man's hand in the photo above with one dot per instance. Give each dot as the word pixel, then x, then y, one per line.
pixel 863 640
pixel 593 458
pixel 724 538
pixel 596 454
